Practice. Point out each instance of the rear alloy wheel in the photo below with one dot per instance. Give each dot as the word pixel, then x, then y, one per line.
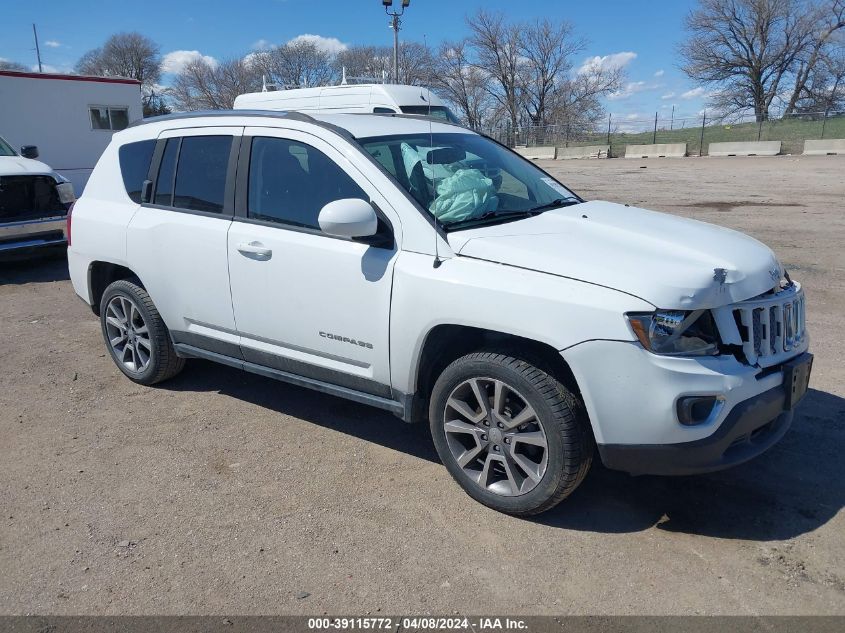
pixel 509 433
pixel 128 334
pixel 136 335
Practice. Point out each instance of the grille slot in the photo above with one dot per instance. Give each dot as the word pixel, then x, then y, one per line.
pixel 773 326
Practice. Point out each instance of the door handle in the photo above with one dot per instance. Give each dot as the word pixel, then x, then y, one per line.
pixel 255 248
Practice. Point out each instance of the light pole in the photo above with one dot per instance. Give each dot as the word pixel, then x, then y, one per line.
pixel 394 23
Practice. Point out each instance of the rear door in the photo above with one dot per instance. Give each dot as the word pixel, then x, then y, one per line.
pixel 177 242
pixel 305 302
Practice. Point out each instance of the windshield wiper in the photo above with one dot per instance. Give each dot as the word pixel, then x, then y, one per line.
pixel 490 216
pixel 557 202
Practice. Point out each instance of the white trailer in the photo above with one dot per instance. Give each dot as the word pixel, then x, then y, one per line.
pixel 70 118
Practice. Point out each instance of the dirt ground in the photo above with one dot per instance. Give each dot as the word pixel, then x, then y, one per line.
pixel 222 492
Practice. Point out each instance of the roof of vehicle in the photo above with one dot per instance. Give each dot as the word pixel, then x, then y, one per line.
pixel 358 125
pixel 401 94
pixel 22 74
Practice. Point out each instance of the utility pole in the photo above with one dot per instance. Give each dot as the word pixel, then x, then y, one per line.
pixel 395 23
pixel 37 49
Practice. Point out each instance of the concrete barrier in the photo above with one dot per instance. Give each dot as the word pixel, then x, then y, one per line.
pixel 588 151
pixel 749 148
pixel 824 147
pixel 661 150
pixel 535 153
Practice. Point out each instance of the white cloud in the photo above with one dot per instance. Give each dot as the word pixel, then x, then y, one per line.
pixel 629 89
pixel 695 93
pixel 668 95
pixel 330 45
pixel 660 73
pixel 262 45
pixel 52 43
pixel 174 61
pixel 47 68
pixel 607 62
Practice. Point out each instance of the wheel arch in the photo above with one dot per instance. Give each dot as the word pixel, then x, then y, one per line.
pixel 445 343
pixel 103 273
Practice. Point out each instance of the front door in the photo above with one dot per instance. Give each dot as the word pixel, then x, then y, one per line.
pixel 305 302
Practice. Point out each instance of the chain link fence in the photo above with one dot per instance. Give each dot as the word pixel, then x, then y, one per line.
pixel 696 132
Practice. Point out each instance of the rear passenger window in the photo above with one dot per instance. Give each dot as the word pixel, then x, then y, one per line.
pixel 289 182
pixel 166 171
pixel 135 165
pixel 201 173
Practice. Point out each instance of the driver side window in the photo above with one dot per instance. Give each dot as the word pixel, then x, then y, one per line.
pixel 290 182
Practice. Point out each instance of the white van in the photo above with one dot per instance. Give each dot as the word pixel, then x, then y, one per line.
pixel 369 98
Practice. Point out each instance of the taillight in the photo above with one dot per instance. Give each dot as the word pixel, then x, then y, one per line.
pixel 69 215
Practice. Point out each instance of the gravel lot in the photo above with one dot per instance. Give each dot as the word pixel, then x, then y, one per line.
pixel 222 492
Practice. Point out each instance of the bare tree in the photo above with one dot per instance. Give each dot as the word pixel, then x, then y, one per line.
pixel 416 64
pixel 825 90
pixel 577 103
pixel 825 22
pixel 461 83
pixel 298 63
pixel 745 49
pixel 548 49
pixel 124 55
pixel 498 51
pixel 7 65
pixel 203 86
pixel 365 62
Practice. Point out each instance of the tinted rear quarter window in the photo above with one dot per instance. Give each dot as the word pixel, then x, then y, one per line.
pixel 135 165
pixel 201 173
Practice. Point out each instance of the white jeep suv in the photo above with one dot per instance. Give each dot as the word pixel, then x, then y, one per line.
pixel 424 269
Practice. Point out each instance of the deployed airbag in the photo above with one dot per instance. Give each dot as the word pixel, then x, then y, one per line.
pixel 465 194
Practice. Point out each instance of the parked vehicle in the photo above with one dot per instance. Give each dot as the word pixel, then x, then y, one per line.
pixel 33 202
pixel 371 258
pixel 357 98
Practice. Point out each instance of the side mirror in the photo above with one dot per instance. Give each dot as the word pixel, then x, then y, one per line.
pixel 349 217
pixel 29 151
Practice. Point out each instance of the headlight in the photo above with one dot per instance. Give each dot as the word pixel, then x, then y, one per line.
pixel 675 332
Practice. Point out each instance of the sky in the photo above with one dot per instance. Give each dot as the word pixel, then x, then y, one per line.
pixel 639 35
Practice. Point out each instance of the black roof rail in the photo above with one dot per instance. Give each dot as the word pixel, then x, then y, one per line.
pixel 196 114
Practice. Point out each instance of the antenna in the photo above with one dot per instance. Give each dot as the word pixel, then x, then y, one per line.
pixel 437 260
pixel 37 49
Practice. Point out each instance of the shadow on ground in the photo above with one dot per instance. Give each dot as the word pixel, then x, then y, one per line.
pixel 794 488
pixel 45 266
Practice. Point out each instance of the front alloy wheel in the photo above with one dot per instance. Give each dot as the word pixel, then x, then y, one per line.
pixel 495 436
pixel 510 433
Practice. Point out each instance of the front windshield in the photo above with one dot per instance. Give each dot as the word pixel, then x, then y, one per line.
pixel 466 179
pixel 437 112
pixel 5 148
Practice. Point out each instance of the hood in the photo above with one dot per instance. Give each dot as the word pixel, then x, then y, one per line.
pixel 20 166
pixel 669 261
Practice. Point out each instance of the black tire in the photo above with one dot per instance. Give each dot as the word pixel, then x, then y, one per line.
pixel 569 439
pixel 163 362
